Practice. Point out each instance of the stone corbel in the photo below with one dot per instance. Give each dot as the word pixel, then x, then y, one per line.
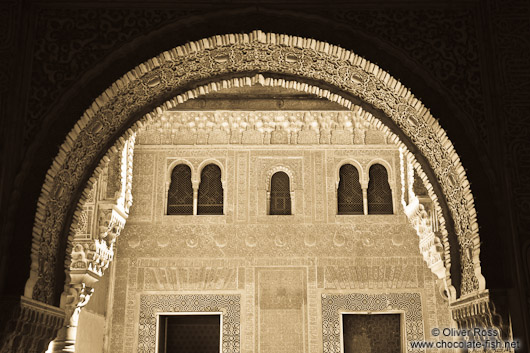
pixel 111 220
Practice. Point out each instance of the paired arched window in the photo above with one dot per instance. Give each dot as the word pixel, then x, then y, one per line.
pixel 280 194
pixel 180 198
pixel 349 193
pixel 180 193
pixel 379 193
pixel 210 200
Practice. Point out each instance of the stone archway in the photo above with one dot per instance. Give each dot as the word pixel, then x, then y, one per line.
pixel 219 62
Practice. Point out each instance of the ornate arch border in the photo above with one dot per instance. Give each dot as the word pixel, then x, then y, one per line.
pixel 238 55
pixel 280 168
pixel 354 163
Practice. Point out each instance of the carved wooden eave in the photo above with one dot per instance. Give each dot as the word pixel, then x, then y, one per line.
pixel 28 325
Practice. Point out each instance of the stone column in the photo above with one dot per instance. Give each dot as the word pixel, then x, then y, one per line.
pixel 77 298
pixel 364 187
pixel 195 186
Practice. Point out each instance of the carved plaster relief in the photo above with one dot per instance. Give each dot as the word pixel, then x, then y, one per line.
pixel 229 305
pixel 335 304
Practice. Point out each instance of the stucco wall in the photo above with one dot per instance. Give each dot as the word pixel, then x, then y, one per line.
pixel 284 270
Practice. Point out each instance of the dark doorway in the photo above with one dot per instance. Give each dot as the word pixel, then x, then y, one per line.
pixel 365 333
pixel 189 333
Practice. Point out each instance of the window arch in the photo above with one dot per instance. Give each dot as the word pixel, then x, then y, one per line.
pixel 349 192
pixel 180 193
pixel 280 194
pixel 379 193
pixel 210 198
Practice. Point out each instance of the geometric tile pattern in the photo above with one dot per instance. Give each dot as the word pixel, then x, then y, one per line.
pixel 334 304
pixel 229 305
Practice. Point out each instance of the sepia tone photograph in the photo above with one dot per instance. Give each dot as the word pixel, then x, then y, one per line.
pixel 264 176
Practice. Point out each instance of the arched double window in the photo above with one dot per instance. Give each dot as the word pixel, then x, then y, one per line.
pixel 349 192
pixel 280 194
pixel 379 192
pixel 210 199
pixel 180 193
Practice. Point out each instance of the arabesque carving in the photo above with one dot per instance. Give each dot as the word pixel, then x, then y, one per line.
pixel 240 54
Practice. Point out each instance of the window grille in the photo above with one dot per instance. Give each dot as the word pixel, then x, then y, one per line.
pixel 180 193
pixel 210 191
pixel 280 202
pixel 349 193
pixel 189 334
pixel 379 193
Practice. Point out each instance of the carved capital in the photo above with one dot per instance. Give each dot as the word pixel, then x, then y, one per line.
pixel 27 325
pixel 73 299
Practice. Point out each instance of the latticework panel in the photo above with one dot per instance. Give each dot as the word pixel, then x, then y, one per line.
pixel 190 334
pixel 210 199
pixel 280 203
pixel 379 193
pixel 349 193
pixel 180 193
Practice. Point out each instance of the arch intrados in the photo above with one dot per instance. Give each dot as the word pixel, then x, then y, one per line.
pixel 385 164
pixel 354 163
pixel 280 168
pixel 175 164
pixel 343 97
pixel 214 162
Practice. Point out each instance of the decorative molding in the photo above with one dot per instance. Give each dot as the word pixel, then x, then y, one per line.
pixel 282 54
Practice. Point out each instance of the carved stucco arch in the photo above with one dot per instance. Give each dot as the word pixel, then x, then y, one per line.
pixel 173 164
pixel 216 162
pixel 273 56
pixel 276 169
pixel 354 163
pixel 390 171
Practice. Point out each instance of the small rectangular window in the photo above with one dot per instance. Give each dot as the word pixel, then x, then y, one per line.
pixel 376 333
pixel 189 333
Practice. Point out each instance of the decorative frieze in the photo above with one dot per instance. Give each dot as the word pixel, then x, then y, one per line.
pixel 373 273
pixel 261 128
pixel 189 278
